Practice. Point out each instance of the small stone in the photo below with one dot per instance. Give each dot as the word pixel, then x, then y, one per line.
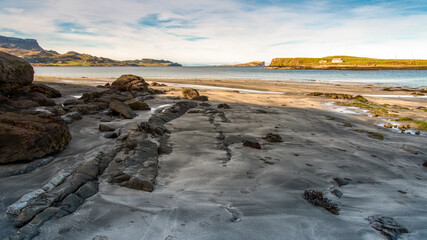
pixel 341 182
pixel 271 137
pixel 251 144
pixel 111 135
pixel 388 125
pixel 425 164
pixel 337 193
pixel 100 237
pixel 105 128
pixel 417 133
pixel 224 106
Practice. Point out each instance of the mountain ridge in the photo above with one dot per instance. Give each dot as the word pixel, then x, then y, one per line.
pixel 30 50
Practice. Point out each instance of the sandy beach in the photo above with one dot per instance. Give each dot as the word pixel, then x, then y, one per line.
pixel 224 179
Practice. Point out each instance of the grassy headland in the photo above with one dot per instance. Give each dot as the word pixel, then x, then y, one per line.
pixel 348 63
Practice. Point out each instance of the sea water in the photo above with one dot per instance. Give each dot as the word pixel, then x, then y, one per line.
pixel 411 78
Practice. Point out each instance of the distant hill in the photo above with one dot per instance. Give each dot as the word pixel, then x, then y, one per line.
pixel 249 64
pixel 348 63
pixel 30 50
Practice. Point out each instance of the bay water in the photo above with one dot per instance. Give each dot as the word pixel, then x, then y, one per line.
pixel 410 78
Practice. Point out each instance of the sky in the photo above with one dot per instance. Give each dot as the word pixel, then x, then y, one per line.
pixel 202 32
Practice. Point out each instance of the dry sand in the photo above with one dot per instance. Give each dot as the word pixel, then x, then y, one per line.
pixel 213 187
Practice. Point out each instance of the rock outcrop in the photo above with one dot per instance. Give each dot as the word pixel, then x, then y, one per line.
pixel 129 83
pixel 27 131
pixel 16 75
pixel 24 137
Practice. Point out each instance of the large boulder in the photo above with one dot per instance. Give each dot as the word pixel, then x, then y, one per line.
pixel 122 109
pixel 129 83
pixel 16 74
pixel 25 137
pixel 189 93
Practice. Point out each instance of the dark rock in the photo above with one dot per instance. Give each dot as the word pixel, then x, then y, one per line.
pixel 425 164
pixel 111 135
pixel 204 105
pixel 91 96
pixel 105 128
pixel 45 90
pixel 41 99
pixel 164 147
pixel 87 190
pixel 71 117
pixel 224 106
pixel 129 83
pixel 26 137
pixel 71 203
pixel 317 199
pixel 88 108
pixel 140 184
pixel 193 111
pixel 72 102
pixel 100 237
pixel 251 144
pixel 341 182
pixel 337 193
pixel 16 75
pixel 189 93
pixel 201 98
pixel 271 137
pixel 386 226
pixel 135 104
pixel 122 109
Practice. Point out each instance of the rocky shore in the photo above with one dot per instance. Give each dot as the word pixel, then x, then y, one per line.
pixel 125 159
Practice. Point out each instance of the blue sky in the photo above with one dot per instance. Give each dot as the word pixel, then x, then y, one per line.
pixel 221 31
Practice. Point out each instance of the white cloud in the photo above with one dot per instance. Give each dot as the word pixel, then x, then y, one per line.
pixel 222 31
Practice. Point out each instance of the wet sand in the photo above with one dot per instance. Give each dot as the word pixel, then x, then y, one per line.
pixel 213 187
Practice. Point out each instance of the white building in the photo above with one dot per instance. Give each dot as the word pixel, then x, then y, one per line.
pixel 337 60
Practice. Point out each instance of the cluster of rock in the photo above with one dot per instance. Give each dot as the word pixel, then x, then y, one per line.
pixel 132 163
pixel 29 124
pixel 122 97
pixel 317 199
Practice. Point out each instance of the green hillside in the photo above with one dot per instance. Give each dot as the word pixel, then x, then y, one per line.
pixel 347 61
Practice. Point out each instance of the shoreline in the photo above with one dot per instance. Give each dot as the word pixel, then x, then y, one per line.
pixel 349 68
pixel 281 93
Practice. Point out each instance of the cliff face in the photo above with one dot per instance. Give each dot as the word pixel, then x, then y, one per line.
pixel 26 44
pixel 30 50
